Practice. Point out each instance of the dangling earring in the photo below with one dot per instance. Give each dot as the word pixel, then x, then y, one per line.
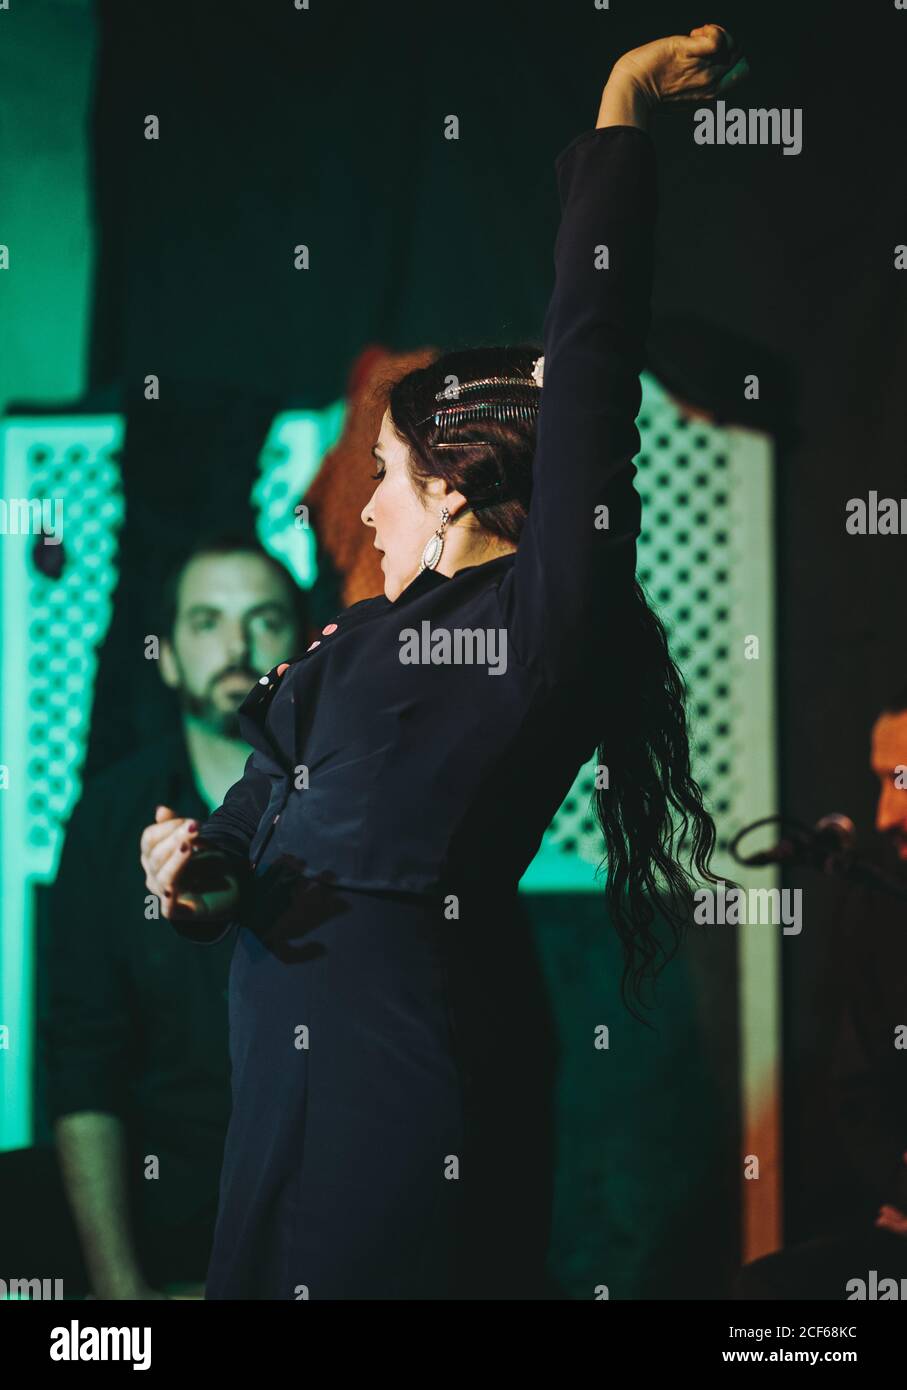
pixel 435 544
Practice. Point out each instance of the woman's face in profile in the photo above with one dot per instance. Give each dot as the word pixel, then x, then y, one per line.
pixel 401 517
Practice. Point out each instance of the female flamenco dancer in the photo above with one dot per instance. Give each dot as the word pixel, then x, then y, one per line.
pixel 388 1137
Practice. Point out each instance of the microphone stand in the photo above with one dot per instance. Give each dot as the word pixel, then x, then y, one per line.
pixel 804 847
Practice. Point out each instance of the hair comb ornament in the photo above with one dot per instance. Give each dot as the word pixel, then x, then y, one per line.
pixel 522 405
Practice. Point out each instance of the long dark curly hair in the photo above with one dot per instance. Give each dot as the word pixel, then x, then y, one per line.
pixel 657 832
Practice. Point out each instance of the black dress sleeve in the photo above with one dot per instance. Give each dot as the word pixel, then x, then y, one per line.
pixel 231 829
pixel 232 826
pixel 576 560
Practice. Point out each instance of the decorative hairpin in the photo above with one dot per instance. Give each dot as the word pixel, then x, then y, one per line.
pixel 455 389
pixel 462 412
pixel 454 415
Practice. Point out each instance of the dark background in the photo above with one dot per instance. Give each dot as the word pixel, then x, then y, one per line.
pixel 325 127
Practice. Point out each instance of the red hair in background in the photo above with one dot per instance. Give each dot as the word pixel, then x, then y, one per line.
pixel 344 484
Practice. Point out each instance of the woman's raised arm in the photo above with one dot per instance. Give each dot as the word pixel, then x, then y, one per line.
pixel 576 558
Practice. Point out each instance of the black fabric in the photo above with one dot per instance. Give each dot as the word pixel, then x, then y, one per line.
pixel 134 1021
pixel 823 1268
pixel 867 1076
pixel 373 1047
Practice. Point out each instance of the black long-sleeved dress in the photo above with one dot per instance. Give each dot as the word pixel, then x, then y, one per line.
pixel 387 1138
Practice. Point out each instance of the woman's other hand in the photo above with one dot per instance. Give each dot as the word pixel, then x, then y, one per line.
pixel 191 879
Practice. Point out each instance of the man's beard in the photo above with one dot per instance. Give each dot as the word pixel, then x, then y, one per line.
pixel 206 711
pixel 896 841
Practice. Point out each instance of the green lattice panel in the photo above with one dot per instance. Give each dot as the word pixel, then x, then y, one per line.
pixel 704 559
pixel 53 627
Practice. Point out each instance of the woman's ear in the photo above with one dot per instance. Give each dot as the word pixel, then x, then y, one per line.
pixel 437 495
pixel 456 503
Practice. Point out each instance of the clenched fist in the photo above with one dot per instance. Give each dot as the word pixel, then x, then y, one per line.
pixel 191 879
pixel 698 67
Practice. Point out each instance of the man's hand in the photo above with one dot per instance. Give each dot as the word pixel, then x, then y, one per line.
pixel 191 879
pixel 892 1218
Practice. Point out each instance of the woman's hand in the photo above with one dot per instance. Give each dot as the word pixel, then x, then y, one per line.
pixel 700 67
pixel 191 879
